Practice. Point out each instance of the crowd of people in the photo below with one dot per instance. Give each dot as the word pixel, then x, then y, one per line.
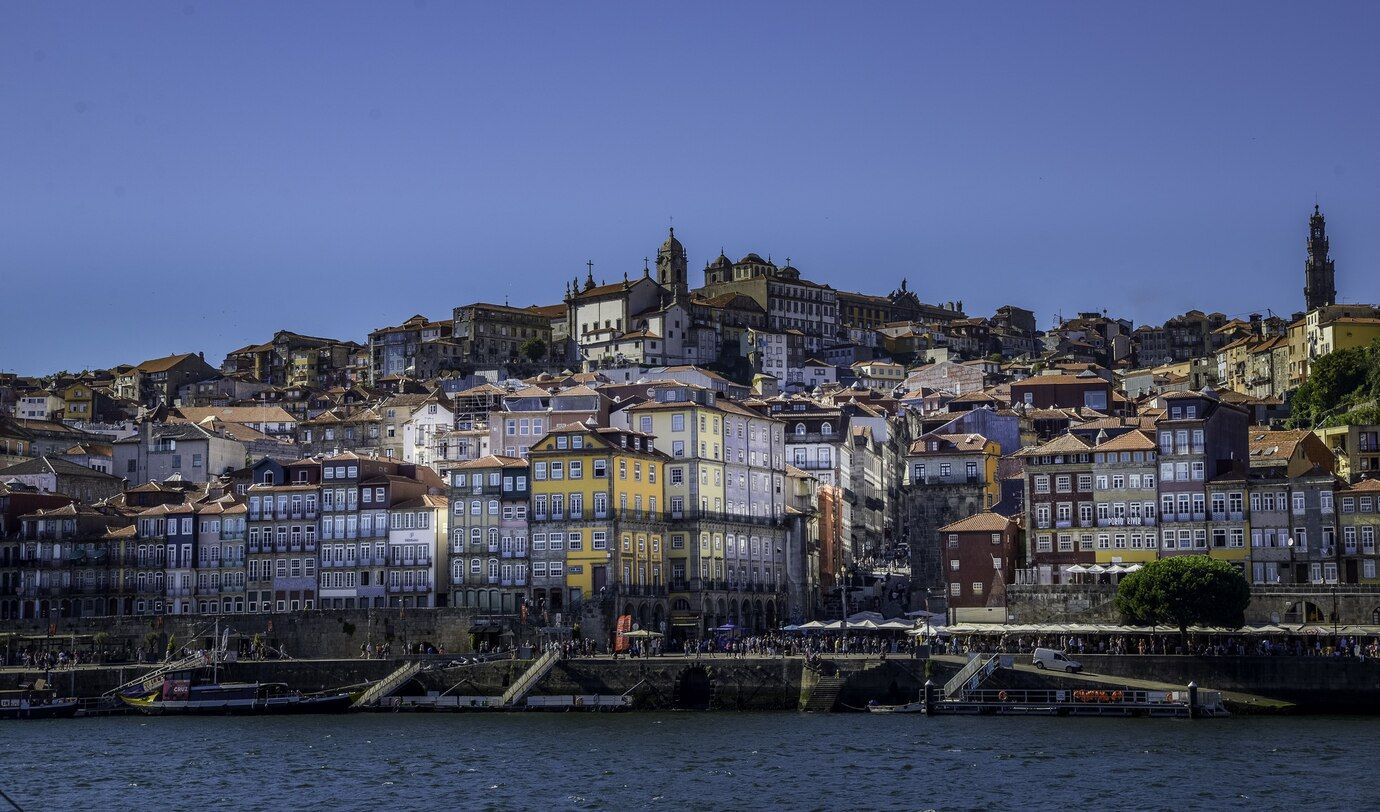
pixel 1200 645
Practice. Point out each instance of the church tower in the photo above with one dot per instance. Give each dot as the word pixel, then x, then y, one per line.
pixel 1319 279
pixel 672 270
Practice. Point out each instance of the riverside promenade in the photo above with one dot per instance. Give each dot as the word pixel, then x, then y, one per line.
pixel 720 682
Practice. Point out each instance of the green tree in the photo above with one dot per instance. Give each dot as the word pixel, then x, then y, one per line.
pixel 1184 591
pixel 533 349
pixel 1336 382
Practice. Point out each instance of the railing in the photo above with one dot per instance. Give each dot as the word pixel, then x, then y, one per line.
pixel 525 683
pixel 971 675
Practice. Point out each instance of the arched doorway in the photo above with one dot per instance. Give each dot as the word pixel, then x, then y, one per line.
pixel 1303 612
pixel 694 690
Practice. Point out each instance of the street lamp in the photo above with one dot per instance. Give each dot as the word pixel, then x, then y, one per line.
pixel 1293 579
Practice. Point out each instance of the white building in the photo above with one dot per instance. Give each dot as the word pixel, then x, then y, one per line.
pixel 417 551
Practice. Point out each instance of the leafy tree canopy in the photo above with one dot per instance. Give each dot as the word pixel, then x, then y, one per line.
pixel 533 349
pixel 1183 591
pixel 1341 389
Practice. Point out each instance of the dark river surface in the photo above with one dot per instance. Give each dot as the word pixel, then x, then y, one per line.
pixel 687 760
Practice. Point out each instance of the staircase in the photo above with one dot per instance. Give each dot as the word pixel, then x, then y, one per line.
pixel 539 668
pixel 972 675
pixel 823 695
pixel 386 686
pixel 154 678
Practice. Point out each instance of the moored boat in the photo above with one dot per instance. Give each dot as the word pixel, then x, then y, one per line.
pixel 36 702
pixel 909 707
pixel 182 693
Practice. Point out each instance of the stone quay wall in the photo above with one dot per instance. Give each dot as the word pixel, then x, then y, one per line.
pixel 301 635
pixel 1077 603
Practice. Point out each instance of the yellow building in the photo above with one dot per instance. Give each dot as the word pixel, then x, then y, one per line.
pixel 1328 329
pixel 597 526
pixel 79 403
pixel 1346 333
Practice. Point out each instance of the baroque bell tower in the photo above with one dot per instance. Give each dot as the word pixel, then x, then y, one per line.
pixel 672 270
pixel 1319 278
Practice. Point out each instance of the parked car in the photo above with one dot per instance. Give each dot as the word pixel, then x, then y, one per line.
pixel 1049 658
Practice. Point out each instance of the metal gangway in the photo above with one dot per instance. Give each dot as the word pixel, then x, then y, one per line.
pixel 529 679
pixel 979 668
pixel 389 684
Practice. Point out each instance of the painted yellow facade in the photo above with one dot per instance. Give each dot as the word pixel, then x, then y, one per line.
pixel 78 402
pixel 603 490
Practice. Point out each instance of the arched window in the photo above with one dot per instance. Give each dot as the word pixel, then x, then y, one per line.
pixel 800 429
pixel 826 429
pixel 476 535
pixel 493 567
pixel 493 535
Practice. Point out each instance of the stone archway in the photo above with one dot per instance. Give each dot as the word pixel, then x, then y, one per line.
pixel 771 616
pixel 694 690
pixel 1303 612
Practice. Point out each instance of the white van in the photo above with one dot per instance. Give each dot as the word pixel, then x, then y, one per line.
pixel 1049 658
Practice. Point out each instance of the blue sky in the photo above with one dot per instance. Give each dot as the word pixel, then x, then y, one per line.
pixel 193 176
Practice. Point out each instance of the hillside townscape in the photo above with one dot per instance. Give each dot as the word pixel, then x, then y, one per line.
pixel 762 449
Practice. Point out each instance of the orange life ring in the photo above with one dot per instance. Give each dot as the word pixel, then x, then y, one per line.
pixel 1117 696
pixel 1001 695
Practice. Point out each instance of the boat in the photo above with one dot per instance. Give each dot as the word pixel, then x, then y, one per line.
pixel 182 693
pixel 36 701
pixel 909 707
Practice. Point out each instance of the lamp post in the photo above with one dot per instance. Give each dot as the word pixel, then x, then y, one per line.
pixel 1293 579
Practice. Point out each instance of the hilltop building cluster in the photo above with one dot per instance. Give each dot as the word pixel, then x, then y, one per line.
pixel 764 448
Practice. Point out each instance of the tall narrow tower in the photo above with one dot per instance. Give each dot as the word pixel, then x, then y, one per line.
pixel 672 271
pixel 1319 278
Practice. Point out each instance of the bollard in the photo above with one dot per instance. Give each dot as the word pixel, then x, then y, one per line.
pixel 929 697
pixel 1193 700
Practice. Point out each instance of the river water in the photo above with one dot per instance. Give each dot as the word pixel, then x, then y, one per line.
pixel 686 760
